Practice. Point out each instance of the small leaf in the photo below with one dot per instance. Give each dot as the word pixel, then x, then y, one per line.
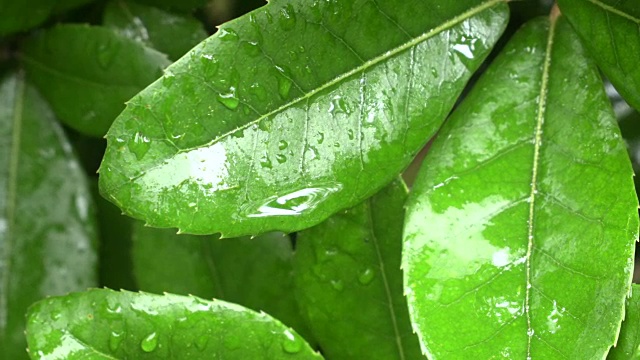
pixel 24 15
pixel 628 346
pixel 168 33
pixel 47 219
pixel 105 324
pixel 246 124
pixel 349 283
pixel 87 73
pixel 610 30
pixel 255 273
pixel 524 187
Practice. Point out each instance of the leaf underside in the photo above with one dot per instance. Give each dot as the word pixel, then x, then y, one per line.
pixel 288 136
pixel 525 187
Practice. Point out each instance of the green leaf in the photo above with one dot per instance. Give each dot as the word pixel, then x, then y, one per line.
pixel 47 219
pixel 87 73
pixel 169 33
pixel 628 346
pixel 105 324
pixel 521 226
pixel 610 30
pixel 255 273
pixel 246 125
pixel 23 15
pixel 180 5
pixel 349 283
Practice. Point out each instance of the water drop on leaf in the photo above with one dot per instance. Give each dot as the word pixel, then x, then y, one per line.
pixel 292 343
pixel 149 343
pixel 366 276
pixel 229 99
pixel 227 34
pixel 287 19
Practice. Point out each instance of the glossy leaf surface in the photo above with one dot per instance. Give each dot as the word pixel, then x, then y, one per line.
pixel 349 283
pixel 87 73
pixel 628 346
pixel 610 30
pixel 255 273
pixel 526 184
pixel 241 135
pixel 106 324
pixel 168 33
pixel 47 219
pixel 25 14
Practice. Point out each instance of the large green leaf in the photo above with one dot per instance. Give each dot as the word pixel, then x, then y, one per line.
pixel 180 5
pixel 169 33
pixel 87 73
pixel 610 30
pixel 25 14
pixel 256 273
pixel 293 112
pixel 349 283
pixel 105 324
pixel 47 219
pixel 520 229
pixel 628 346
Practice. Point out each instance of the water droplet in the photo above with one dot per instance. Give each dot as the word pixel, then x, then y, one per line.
pixel 202 341
pixel 313 152
pixel 350 134
pixel 55 315
pixel 229 99
pixel 149 343
pixel 115 339
pixel 465 45
pixel 320 138
pixel 366 276
pixel 265 161
pixel 259 91
pixel 114 308
pixel 293 55
pixel 210 64
pixel 530 332
pixel 251 48
pixel 292 344
pixel 287 18
pixel 284 85
pixel 227 34
pixel 232 342
pixel 281 158
pixel 168 78
pixel 338 105
pixel 282 145
pixel 337 285
pixel 139 145
pixel 265 124
pixel 268 16
pixel 106 53
pixel 294 203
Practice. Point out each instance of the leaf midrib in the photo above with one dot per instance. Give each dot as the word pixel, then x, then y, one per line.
pixel 385 281
pixel 613 10
pixel 12 187
pixel 544 87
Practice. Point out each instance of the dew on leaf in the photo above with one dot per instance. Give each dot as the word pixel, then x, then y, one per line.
pixel 210 64
pixel 337 285
pixel 259 91
pixel 292 204
pixel 229 99
pixel 292 343
pixel 281 158
pixel 227 34
pixel 149 343
pixel 202 341
pixel 287 17
pixel 366 276
pixel 139 145
pixel 115 339
pixel 282 145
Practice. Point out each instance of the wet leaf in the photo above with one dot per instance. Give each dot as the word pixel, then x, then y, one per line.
pixel 628 346
pixel 47 219
pixel 255 273
pixel 245 125
pixel 349 283
pixel 524 188
pixel 169 33
pixel 106 324
pixel 610 30
pixel 88 72
pixel 24 15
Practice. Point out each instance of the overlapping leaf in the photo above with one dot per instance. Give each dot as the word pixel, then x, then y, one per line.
pixel 88 73
pixel 520 229
pixel 105 324
pixel 610 29
pixel 47 224
pixel 168 33
pixel 628 346
pixel 349 283
pixel 23 15
pixel 255 273
pixel 293 112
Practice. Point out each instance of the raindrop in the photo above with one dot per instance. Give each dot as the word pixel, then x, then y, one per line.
pixel 282 145
pixel 227 34
pixel 294 203
pixel 229 99
pixel 168 78
pixel 350 134
pixel 115 339
pixel 251 48
pixel 281 158
pixel 292 343
pixel 201 342
pixel 149 343
pixel 139 145
pixel 259 91
pixel 210 64
pixel 287 18
pixel 265 162
pixel 366 276
pixel 337 285
pixel 320 138
pixel 284 82
pixel 338 105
